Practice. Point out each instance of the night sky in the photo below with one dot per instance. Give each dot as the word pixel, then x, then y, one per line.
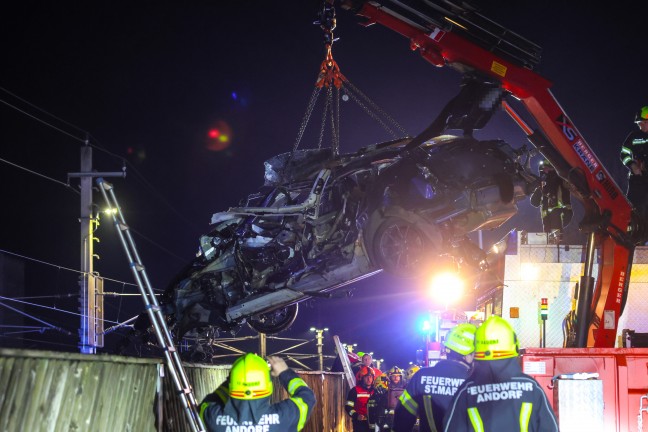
pixel 147 81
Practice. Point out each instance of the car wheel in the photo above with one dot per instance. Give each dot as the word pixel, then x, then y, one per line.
pixel 400 247
pixel 275 321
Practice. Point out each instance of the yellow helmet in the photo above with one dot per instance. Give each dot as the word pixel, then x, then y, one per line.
pixel 395 371
pixel 642 114
pixel 495 340
pixel 461 339
pixel 410 371
pixel 382 382
pixel 250 378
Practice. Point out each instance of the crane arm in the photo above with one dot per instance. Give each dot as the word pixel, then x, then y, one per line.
pixel 446 34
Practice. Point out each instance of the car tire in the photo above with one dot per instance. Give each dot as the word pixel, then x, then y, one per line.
pixel 400 248
pixel 275 321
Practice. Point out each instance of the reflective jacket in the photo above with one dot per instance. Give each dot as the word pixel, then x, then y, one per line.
pixel 357 399
pixel 224 414
pixel 635 149
pixel 499 397
pixel 428 395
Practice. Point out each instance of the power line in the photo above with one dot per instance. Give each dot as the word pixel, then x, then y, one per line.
pixel 45 307
pixel 40 175
pixel 145 182
pixel 61 267
pixel 45 112
pixel 42 121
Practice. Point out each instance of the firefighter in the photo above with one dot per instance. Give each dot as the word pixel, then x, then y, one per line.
pixel 395 375
pixel 498 396
pixel 429 394
pixel 634 155
pixel 377 405
pixel 554 199
pixel 387 389
pixel 244 398
pixel 366 360
pixel 358 397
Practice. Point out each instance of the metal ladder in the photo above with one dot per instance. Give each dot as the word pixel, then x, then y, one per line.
pixel 346 364
pixel 152 307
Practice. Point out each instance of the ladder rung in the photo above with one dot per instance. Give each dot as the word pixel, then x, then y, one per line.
pixel 107 186
pixel 137 266
pixel 122 226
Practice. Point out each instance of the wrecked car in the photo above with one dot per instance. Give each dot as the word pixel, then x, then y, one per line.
pixel 321 222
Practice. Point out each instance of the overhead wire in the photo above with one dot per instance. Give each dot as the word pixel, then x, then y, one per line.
pixel 138 175
pixel 67 185
pixel 62 267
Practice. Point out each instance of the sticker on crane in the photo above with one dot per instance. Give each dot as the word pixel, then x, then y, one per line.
pixel 608 319
pixel 586 155
pixel 498 68
pixel 534 368
pixel 581 149
pixel 620 287
pixel 436 34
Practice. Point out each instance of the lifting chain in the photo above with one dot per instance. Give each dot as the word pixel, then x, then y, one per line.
pixel 329 76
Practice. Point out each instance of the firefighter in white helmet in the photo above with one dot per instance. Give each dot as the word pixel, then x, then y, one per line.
pixel 429 392
pixel 498 396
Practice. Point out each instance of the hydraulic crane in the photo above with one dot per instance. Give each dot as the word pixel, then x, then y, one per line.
pixel 496 64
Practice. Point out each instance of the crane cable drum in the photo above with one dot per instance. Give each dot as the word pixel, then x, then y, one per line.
pixel 329 78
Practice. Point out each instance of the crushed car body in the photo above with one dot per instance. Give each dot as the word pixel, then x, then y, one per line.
pixel 321 222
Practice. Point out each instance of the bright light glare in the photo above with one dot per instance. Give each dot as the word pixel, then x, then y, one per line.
pixel 110 211
pixel 529 271
pixel 446 288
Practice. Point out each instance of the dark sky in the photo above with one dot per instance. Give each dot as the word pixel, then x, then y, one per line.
pixel 148 80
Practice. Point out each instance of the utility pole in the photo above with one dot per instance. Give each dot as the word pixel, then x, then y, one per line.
pixel 91 287
pixel 319 334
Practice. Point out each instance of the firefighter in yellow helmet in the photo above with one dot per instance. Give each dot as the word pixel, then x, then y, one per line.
pixel 498 396
pixel 429 393
pixel 634 155
pixel 244 398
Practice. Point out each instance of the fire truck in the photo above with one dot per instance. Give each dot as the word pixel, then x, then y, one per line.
pixel 497 68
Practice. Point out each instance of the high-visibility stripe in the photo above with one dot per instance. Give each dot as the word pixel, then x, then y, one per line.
pixel 626 160
pixel 475 419
pixel 350 403
pixel 250 394
pixel 408 403
pixel 427 404
pixel 303 411
pixel 222 394
pixel 525 416
pixel 294 384
pixel 626 150
pixel 203 407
